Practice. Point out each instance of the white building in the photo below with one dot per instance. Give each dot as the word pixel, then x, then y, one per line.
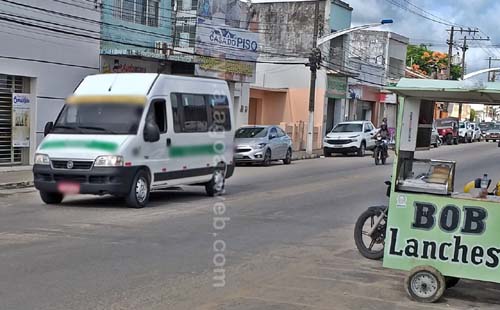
pixel 47 48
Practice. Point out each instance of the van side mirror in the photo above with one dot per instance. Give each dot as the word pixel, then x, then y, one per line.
pixel 151 132
pixel 48 128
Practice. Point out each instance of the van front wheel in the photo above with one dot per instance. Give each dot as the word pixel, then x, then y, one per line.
pixel 139 193
pixel 51 198
pixel 215 186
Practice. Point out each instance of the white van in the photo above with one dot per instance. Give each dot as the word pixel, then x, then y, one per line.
pixel 128 134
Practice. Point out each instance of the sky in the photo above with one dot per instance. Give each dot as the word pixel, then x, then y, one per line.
pixel 482 14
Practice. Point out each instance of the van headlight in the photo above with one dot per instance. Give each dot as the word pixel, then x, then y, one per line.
pixel 108 161
pixel 42 159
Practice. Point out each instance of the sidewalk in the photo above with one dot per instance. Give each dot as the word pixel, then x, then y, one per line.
pixel 11 179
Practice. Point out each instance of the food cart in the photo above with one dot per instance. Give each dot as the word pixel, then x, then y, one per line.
pixel 434 232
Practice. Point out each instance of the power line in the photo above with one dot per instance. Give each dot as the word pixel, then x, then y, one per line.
pixel 48 62
pixel 131 44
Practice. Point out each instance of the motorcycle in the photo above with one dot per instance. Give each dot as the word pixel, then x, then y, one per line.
pixel 371 227
pixel 380 150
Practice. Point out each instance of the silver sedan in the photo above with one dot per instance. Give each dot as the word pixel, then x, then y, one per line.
pixel 262 144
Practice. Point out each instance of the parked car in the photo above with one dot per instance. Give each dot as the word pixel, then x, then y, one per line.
pixel 262 144
pixel 484 126
pixel 435 139
pixel 448 129
pixel 493 133
pixel 476 132
pixel 465 132
pixel 350 137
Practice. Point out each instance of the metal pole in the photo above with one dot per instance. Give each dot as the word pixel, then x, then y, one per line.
pixel 489 67
pixel 312 89
pixel 464 49
pixel 450 52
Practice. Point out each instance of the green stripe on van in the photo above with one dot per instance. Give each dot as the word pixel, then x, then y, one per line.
pixel 196 150
pixel 92 144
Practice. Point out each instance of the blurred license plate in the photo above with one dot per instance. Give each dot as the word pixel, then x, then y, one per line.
pixel 238 156
pixel 68 188
pixel 338 146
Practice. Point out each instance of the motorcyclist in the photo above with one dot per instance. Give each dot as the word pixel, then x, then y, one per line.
pixel 384 134
pixel 383 131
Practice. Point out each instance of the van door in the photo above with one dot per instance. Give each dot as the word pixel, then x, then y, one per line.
pixel 190 148
pixel 155 153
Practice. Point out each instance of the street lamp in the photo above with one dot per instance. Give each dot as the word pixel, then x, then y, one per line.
pixel 315 62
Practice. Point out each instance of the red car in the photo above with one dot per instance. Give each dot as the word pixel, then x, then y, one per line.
pixel 448 129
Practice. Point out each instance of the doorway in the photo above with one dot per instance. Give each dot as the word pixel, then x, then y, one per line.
pixel 254 111
pixel 330 115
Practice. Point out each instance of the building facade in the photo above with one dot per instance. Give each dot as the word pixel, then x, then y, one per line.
pixel 213 31
pixel 40 66
pixel 135 35
pixel 380 59
pixel 280 95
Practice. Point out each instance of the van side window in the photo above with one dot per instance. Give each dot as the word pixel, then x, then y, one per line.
pixel 157 111
pixel 190 113
pixel 200 113
pixel 219 112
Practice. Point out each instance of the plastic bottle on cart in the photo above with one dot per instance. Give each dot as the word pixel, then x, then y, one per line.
pixel 484 186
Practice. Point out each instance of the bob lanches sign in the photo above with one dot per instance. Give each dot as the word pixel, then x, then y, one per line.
pixel 458 237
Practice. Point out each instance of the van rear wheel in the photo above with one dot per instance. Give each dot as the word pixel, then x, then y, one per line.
pixel 138 196
pixel 215 186
pixel 51 198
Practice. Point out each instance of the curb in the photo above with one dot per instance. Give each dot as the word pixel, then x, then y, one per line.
pixel 306 156
pixel 16 185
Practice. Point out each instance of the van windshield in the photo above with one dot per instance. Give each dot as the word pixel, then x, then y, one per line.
pixel 99 118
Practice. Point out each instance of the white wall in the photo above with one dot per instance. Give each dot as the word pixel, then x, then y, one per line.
pixel 287 76
pixel 53 82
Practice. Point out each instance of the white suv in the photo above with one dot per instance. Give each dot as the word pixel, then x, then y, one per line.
pixel 350 137
pixel 465 132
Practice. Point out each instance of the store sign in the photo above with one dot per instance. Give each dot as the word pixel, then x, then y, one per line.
pixel 336 87
pixel 21 106
pixel 459 237
pixel 388 98
pixel 226 49
pixel 125 65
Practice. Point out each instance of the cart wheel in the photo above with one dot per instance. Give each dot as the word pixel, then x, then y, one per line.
pixel 451 281
pixel 425 284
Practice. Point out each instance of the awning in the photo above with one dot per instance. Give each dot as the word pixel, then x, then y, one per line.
pixel 449 91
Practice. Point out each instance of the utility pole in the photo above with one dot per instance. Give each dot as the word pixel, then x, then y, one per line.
pixel 314 65
pixel 491 75
pixel 450 52
pixel 464 49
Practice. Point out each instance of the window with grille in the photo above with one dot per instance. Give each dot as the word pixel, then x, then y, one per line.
pixel 144 12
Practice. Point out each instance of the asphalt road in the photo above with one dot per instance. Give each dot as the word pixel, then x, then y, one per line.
pixel 281 238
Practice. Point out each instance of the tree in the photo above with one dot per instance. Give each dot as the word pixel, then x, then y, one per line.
pixel 427 62
pixel 472 116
